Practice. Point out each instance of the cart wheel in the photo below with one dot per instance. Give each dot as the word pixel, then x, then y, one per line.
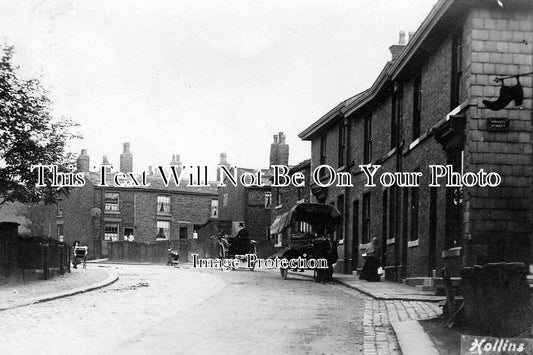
pixel 85 263
pixel 284 273
pixel 315 276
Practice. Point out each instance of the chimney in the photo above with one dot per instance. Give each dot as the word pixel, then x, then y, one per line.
pixel 176 162
pixel 150 170
pixel 396 49
pixel 126 159
pixel 411 34
pixel 106 163
pixel 223 161
pixel 274 155
pixel 83 161
pixel 279 150
pixel 283 150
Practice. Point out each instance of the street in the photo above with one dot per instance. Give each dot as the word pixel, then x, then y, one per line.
pixel 159 309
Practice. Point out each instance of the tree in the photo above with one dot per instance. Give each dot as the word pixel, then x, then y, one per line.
pixel 29 135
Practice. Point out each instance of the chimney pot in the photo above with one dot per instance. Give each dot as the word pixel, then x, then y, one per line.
pixel 83 161
pixel 402 37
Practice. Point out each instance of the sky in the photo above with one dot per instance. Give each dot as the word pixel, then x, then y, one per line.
pixel 198 78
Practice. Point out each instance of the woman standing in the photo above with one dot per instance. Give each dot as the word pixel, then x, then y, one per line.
pixel 371 265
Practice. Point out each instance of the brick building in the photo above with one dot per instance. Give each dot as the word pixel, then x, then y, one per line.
pixel 97 215
pixel 426 107
pixel 252 205
pixel 248 205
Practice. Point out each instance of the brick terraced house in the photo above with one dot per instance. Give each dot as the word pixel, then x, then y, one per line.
pixel 426 108
pixel 96 215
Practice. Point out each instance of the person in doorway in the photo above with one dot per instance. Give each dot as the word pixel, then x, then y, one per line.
pixel 371 265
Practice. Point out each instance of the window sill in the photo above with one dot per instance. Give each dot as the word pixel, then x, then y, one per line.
pixel 341 241
pixel 111 212
pixel 277 245
pixel 452 252
pixel 278 207
pixel 363 246
pixel 164 214
pixel 391 241
pixel 412 243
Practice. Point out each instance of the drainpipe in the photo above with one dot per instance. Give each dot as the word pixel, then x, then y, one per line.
pixel 346 158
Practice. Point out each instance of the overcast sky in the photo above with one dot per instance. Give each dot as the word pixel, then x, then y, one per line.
pixel 198 78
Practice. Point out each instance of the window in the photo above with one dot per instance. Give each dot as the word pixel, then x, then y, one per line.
pixel 59 210
pixel 396 117
pixel 60 233
pixel 214 208
pixel 457 69
pixel 163 204
pixel 268 199
pixel 300 191
pixel 323 150
pixel 340 207
pixel 128 234
pixel 342 144
pixel 163 230
pixel 225 200
pixel 111 231
pixel 414 211
pixel 417 106
pixel 111 201
pixel 367 149
pixel 279 197
pixel 366 218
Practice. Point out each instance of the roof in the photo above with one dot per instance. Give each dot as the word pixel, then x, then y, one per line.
pixel 390 72
pixel 265 177
pixel 325 120
pixel 156 185
pixel 301 165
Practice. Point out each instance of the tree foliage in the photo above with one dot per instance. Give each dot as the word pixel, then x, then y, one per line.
pixel 29 135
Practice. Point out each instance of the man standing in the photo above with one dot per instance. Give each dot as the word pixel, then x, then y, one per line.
pixel 243 233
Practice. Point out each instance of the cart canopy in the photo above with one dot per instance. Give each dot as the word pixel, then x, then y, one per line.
pixel 316 214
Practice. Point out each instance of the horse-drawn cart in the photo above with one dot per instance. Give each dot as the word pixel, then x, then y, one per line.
pixel 237 248
pixel 307 234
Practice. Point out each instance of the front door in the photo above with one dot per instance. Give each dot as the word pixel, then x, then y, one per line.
pixel 355 234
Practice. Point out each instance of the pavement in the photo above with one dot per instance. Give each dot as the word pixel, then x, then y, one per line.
pixel 393 306
pixel 19 294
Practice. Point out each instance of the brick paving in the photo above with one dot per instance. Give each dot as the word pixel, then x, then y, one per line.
pixel 379 337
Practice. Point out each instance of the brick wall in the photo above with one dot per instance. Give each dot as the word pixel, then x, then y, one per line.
pixel 500 44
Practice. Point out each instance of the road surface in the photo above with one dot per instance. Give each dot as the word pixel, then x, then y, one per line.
pixel 156 309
